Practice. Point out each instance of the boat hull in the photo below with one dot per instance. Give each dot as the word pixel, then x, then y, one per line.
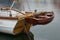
pixel 13 24
pixel 42 19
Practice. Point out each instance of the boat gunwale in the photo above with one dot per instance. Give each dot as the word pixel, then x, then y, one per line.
pixel 9 18
pixel 39 20
pixel 44 17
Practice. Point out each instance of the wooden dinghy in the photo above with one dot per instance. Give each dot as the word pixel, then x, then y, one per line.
pixel 41 18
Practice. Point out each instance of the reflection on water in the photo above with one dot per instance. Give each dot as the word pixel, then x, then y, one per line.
pixel 21 36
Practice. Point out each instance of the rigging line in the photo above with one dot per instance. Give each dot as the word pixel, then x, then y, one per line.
pixel 23 5
pixel 25 23
pixel 12 4
pixel 20 3
pixel 28 5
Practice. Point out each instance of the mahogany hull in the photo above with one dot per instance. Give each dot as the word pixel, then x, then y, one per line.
pixel 40 20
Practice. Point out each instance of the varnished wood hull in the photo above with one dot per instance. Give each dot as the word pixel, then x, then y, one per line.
pixel 40 20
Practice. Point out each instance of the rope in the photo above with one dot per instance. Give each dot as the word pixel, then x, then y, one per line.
pixel 26 22
pixel 12 4
pixel 26 29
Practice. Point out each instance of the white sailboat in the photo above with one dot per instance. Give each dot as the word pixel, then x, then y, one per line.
pixel 13 21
